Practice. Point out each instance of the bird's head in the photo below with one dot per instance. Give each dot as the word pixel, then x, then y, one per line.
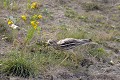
pixel 51 42
pixel 90 40
pixel 87 40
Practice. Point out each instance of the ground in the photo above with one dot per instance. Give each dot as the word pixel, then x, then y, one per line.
pixel 92 19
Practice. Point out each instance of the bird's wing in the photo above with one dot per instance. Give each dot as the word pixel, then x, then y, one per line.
pixel 71 42
pixel 67 40
pixel 68 43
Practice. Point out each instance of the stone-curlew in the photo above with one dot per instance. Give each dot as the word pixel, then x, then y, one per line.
pixel 68 44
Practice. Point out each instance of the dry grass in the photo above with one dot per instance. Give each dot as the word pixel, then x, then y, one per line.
pixel 71 22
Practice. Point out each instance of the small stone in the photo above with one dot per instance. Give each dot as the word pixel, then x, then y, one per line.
pixel 1 53
pixel 111 62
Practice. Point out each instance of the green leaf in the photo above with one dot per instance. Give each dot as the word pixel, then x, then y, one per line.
pixel 30 34
pixel 38 29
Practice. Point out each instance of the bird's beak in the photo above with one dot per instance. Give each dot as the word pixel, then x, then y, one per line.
pixel 90 40
pixel 47 44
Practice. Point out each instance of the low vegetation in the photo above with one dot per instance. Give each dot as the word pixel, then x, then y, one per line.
pixel 25 26
pixel 90 6
pixel 19 67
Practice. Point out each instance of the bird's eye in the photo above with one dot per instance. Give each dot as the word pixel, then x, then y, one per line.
pixel 50 42
pixel 90 39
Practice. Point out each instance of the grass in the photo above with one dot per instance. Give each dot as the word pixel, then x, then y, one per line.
pixel 18 66
pixel 90 6
pixel 3 27
pixel 37 57
pixel 47 56
pixel 100 36
pixel 70 13
pixel 118 7
pixel 98 52
pixel 97 36
pixel 6 3
pixel 83 18
pixel 7 34
pixel 78 34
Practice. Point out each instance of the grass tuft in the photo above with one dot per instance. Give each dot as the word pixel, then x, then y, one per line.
pixel 98 52
pixel 90 6
pixel 70 13
pixel 18 67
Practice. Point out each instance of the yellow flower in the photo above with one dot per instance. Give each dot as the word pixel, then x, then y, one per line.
pixel 34 5
pixel 24 17
pixel 39 16
pixel 34 24
pixel 10 22
pixel 35 27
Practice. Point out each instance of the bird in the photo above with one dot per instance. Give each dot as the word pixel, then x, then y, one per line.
pixel 68 44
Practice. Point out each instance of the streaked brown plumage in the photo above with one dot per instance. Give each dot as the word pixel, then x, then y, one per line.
pixel 68 44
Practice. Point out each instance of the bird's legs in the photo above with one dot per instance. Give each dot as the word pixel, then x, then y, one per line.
pixel 75 58
pixel 67 55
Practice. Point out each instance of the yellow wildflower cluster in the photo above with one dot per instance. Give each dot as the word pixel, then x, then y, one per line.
pixel 24 17
pixel 34 24
pixel 10 22
pixel 39 16
pixel 34 5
